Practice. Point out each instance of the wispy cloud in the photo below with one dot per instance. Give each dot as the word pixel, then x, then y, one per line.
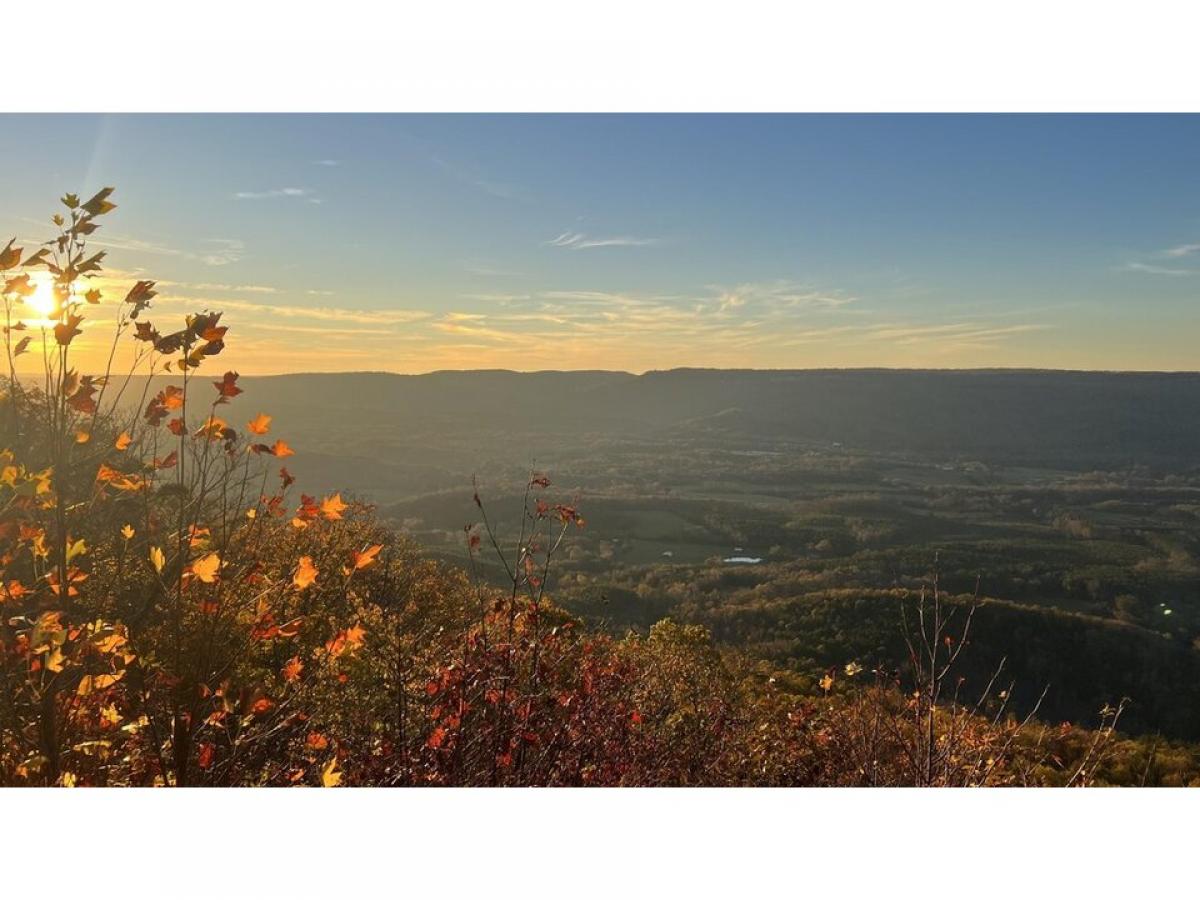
pixel 575 240
pixel 1179 252
pixel 376 317
pixel 306 194
pixel 1151 269
pixel 779 296
pixel 328 163
pixel 221 288
pixel 475 178
pixel 213 252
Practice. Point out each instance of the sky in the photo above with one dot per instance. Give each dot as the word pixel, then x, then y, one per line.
pixel 417 243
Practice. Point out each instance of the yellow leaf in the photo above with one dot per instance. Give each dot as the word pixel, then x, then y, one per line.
pixel 123 441
pixel 331 776
pixel 127 532
pixel 205 568
pixel 306 573
pixel 251 513
pixel 826 683
pixel 157 559
pixel 90 683
pixel 332 507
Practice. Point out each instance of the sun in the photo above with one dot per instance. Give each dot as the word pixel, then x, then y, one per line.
pixel 42 301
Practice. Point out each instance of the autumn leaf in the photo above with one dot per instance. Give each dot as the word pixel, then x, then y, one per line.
pixel 227 387
pixel 123 441
pixel 65 332
pixel 292 669
pixel 205 568
pixel 364 558
pixel 260 424
pixel 205 757
pixel 332 507
pixel 127 532
pixel 21 346
pixel 157 559
pixel 99 204
pixel 331 775
pixel 281 450
pixel 82 437
pixel 262 705
pixel 306 573
pixel 343 641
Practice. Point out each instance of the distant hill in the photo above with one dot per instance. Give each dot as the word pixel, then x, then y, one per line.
pixel 402 434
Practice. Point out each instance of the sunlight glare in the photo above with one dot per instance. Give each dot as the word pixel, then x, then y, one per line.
pixel 42 301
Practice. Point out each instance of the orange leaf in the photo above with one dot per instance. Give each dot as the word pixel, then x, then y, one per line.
pixel 332 507
pixel 306 573
pixel 281 450
pixel 123 441
pixel 366 557
pixel 262 705
pixel 260 424
pixel 292 669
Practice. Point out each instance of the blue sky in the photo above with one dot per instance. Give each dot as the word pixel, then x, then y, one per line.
pixel 411 243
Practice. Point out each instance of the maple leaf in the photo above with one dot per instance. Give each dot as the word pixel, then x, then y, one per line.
pixel 332 507
pixel 316 741
pixel 205 568
pixel 306 573
pixel 260 424
pixel 140 295
pixel 65 332
pixel 226 387
pixel 292 669
pixel 350 639
pixel 281 450
pixel 364 558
